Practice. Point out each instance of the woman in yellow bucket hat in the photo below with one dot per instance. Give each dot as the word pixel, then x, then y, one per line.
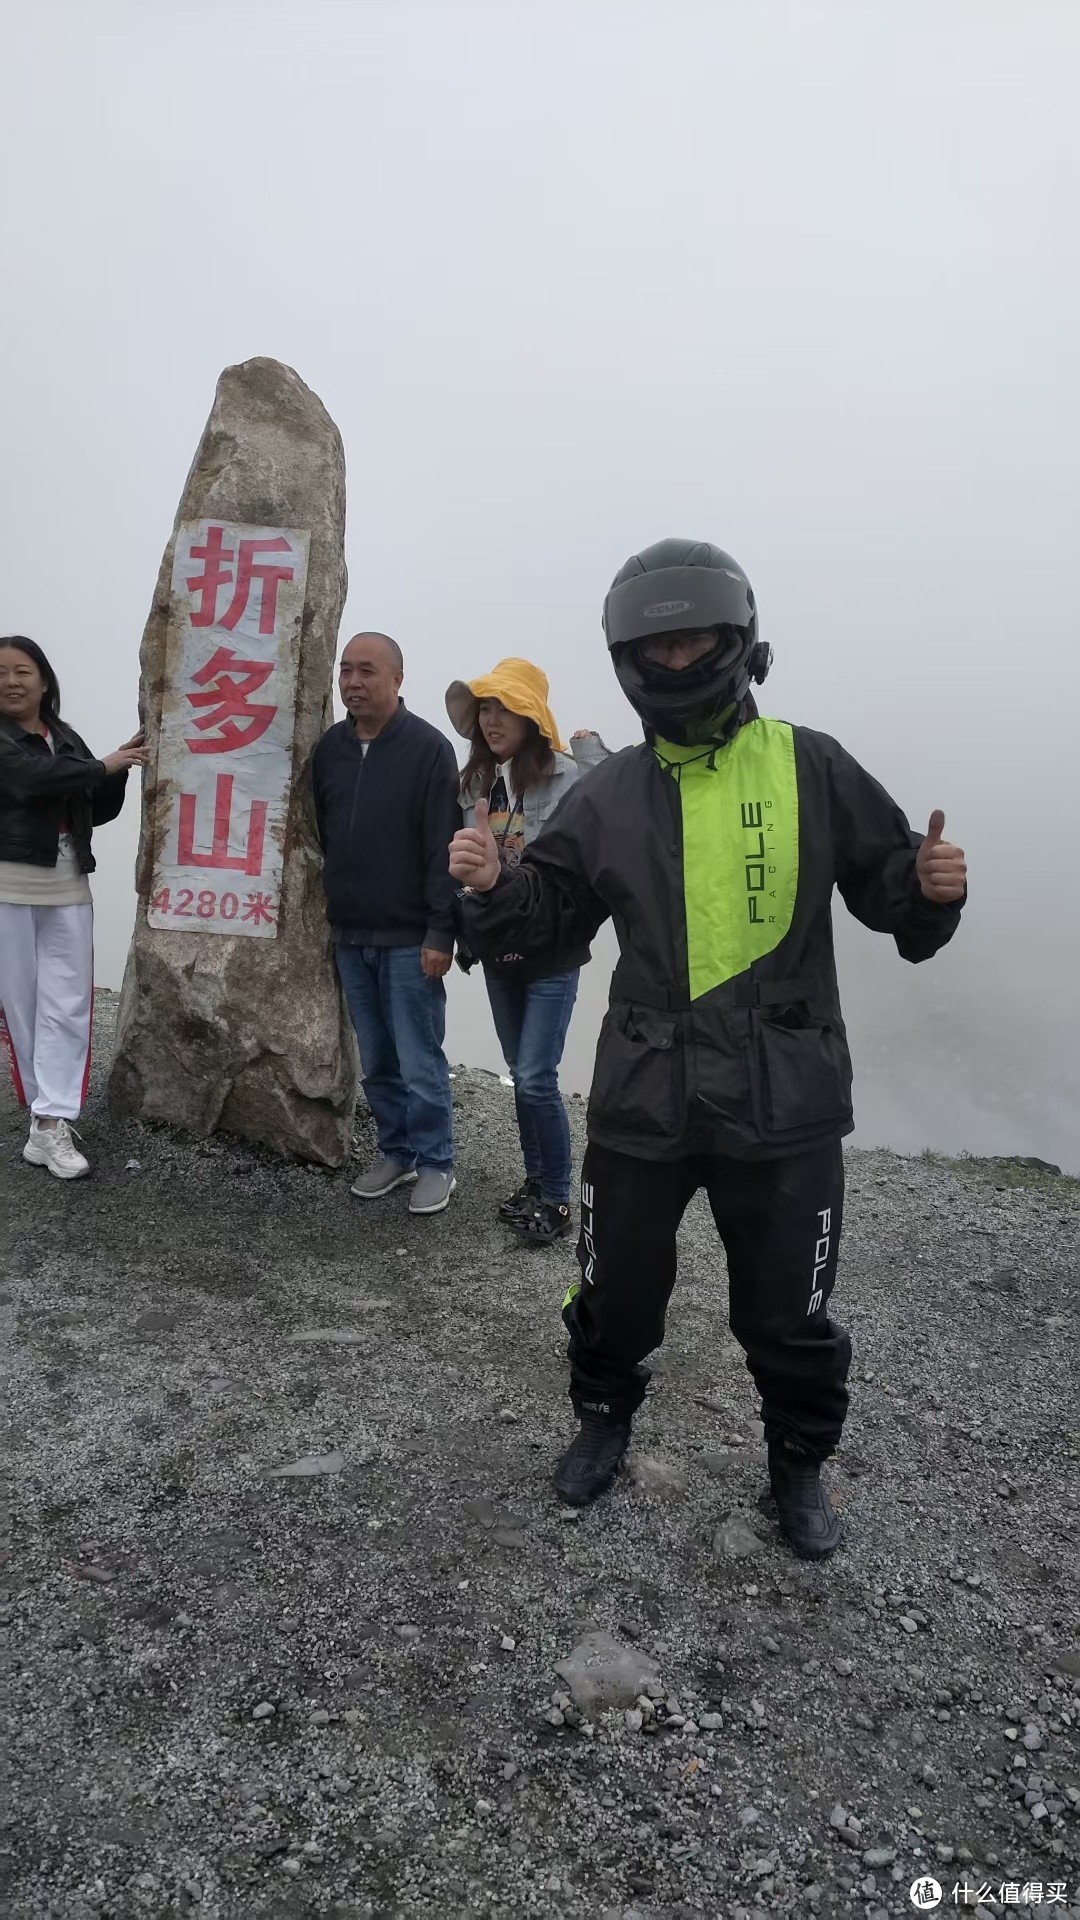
pixel 519 767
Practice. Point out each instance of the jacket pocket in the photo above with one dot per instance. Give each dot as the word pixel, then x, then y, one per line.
pixel 636 1084
pixel 720 1067
pixel 805 1076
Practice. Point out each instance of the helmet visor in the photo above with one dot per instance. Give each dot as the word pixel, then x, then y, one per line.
pixel 680 652
pixel 677 600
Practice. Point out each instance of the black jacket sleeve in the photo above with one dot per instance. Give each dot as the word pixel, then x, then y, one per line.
pixel 546 907
pixel 874 853
pixel 108 799
pixel 441 820
pixel 27 776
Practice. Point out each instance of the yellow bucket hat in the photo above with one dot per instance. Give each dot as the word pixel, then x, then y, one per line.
pixel 521 687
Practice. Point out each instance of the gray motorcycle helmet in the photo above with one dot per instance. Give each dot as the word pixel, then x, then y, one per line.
pixel 685 586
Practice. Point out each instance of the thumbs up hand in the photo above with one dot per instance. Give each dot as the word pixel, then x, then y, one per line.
pixel 941 867
pixel 474 856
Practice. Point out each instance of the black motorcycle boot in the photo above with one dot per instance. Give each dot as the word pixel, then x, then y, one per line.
pixel 808 1520
pixel 591 1461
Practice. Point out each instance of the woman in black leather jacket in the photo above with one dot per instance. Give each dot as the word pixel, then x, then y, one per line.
pixel 53 793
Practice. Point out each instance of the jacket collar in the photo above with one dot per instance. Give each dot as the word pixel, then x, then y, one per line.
pixel 748 713
pixel 393 725
pixel 564 764
pixel 16 731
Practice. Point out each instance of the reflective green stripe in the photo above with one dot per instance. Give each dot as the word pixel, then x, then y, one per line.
pixel 572 1292
pixel 740 822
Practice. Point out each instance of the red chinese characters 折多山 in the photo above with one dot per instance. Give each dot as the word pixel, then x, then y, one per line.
pixel 218 572
pixel 223 702
pixel 251 860
pixel 227 727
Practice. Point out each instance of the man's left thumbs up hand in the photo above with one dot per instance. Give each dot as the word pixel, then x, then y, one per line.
pixel 941 867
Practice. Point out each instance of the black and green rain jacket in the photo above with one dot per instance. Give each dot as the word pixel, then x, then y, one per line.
pixel 724 1033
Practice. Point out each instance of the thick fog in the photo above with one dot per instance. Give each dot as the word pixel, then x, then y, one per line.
pixel 570 278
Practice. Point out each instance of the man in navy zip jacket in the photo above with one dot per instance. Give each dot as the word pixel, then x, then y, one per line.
pixel 385 786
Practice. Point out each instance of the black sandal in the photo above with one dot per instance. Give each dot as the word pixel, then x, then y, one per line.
pixel 544 1223
pixel 523 1201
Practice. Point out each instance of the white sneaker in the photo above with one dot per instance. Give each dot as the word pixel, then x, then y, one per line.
pixel 54 1147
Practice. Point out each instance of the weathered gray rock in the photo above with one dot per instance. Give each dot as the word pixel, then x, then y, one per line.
pixel 217 1030
pixel 656 1476
pixel 308 1467
pixel 154 1321
pixel 735 1539
pixel 330 1337
pixel 603 1672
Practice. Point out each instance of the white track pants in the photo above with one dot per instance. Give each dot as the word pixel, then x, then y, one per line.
pixel 47 1000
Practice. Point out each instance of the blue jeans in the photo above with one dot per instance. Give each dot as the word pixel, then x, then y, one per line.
pixel 531 1020
pixel 399 1019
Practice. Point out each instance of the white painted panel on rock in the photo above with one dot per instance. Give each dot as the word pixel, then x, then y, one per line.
pixel 228 714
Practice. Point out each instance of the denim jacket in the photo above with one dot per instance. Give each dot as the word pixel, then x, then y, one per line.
pixel 540 802
pixel 537 807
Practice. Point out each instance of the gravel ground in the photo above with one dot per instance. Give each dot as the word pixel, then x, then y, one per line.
pixel 336 1693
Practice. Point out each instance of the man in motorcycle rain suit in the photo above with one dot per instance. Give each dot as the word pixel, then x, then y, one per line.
pixel 714 848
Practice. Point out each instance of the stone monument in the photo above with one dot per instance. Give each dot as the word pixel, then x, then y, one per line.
pixel 230 1014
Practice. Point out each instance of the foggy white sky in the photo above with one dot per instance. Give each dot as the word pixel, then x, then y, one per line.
pixel 571 277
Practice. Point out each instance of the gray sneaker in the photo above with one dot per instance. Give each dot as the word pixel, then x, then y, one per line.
pixel 433 1190
pixel 383 1175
